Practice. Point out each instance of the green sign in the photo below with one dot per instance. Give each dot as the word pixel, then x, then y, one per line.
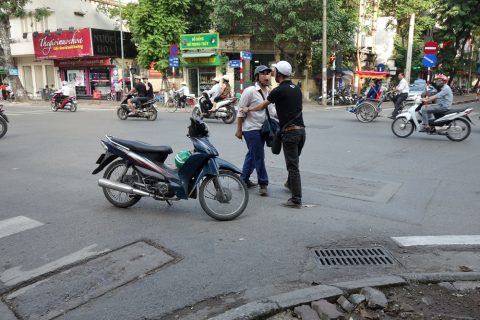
pixel 203 62
pixel 3 71
pixel 199 41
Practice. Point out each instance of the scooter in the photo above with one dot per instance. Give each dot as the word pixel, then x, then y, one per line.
pixel 141 172
pixel 67 103
pixel 454 123
pixel 146 110
pixel 3 122
pixel 226 109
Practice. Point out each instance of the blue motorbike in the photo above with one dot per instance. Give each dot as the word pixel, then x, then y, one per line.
pixel 141 172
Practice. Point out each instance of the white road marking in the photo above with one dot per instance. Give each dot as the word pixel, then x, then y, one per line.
pixel 17 224
pixel 15 275
pixel 437 240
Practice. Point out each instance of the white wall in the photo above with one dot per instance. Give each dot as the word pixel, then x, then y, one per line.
pixel 384 42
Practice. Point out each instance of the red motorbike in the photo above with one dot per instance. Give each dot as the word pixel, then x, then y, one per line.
pixel 59 101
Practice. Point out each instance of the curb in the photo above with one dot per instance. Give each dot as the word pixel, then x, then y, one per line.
pixel 268 306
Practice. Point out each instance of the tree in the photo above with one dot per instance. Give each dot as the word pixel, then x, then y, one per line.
pixel 199 17
pixel 14 8
pixel 293 26
pixel 458 29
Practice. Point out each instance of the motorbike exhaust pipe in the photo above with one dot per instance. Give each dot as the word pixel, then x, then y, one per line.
pixel 118 186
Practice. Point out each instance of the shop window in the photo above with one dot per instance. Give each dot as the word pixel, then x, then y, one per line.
pixel 100 80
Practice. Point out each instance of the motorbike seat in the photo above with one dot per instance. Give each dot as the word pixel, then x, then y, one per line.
pixel 437 114
pixel 149 102
pixel 143 147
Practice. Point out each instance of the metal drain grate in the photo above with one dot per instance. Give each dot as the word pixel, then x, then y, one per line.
pixel 341 257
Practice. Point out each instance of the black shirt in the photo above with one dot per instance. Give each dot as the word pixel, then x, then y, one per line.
pixel 287 98
pixel 141 89
pixel 149 90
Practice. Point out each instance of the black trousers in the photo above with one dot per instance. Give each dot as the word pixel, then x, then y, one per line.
pixel 398 103
pixel 118 95
pixel 292 143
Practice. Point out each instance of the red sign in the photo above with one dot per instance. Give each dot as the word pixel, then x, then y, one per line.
pixel 152 73
pixel 84 63
pixel 68 44
pixel 430 47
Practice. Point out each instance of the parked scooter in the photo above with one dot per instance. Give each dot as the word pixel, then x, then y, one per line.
pixel 226 109
pixel 3 122
pixel 66 103
pixel 146 110
pixel 141 172
pixel 454 123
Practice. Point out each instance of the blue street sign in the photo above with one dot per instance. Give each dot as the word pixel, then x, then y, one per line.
pixel 173 51
pixel 381 67
pixel 234 63
pixel 247 55
pixel 173 62
pixel 429 60
pixel 13 72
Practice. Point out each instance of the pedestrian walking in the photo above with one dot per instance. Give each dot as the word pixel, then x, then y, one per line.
pixel 402 90
pixel 287 98
pixel 118 91
pixel 249 127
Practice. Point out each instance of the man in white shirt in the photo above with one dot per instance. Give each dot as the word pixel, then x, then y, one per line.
pixel 183 92
pixel 249 127
pixel 402 89
pixel 118 91
pixel 215 90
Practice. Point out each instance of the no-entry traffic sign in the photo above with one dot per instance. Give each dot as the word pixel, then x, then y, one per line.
pixel 430 47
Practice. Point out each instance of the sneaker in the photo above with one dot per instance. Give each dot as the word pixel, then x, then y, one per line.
pixel 292 204
pixel 391 117
pixel 263 190
pixel 250 184
pixel 132 113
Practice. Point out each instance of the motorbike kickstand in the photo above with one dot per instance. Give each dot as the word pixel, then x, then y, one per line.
pixel 169 203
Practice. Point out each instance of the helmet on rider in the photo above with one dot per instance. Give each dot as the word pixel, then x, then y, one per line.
pixel 183 83
pixel 216 79
pixel 442 77
pixel 284 68
pixel 225 78
pixel 261 68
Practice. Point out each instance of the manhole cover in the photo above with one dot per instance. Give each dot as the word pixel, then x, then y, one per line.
pixel 346 257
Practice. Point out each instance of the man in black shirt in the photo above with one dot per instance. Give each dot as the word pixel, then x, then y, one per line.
pixel 287 98
pixel 141 91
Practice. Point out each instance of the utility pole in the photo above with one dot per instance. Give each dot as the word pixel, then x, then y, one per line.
pixel 324 55
pixel 121 48
pixel 408 67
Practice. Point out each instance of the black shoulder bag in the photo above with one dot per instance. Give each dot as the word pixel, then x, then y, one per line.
pixel 277 141
pixel 270 127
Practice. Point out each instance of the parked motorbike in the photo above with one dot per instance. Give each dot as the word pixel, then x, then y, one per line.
pixel 146 110
pixel 226 109
pixel 67 103
pixel 454 123
pixel 141 172
pixel 3 122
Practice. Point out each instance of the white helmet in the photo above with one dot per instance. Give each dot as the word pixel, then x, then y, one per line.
pixel 225 78
pixel 284 68
pixel 183 83
pixel 216 79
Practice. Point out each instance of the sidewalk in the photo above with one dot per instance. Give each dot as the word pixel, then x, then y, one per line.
pixel 370 301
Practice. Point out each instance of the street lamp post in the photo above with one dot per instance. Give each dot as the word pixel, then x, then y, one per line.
pixel 121 47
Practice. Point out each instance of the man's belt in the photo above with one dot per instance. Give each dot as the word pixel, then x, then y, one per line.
pixel 294 127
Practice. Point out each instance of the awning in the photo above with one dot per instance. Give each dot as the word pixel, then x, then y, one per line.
pixel 198 54
pixel 373 74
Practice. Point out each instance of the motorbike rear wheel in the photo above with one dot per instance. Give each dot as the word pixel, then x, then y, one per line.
pixel 122 113
pixel 235 198
pixel 459 130
pixel 3 127
pixel 402 128
pixel 153 115
pixel 366 112
pixel 73 107
pixel 231 115
pixel 114 173
pixel 54 107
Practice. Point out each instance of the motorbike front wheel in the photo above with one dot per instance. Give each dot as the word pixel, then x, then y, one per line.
pixel 459 130
pixel 118 171
pixel 3 127
pixel 230 118
pixel 153 114
pixel 223 197
pixel 402 128
pixel 122 113
pixel 54 107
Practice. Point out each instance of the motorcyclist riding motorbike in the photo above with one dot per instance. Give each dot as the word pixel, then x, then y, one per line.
pixel 444 101
pixel 225 92
pixel 65 93
pixel 182 92
pixel 141 91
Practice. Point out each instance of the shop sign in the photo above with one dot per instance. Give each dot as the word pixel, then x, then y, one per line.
pixel 203 62
pixel 13 72
pixel 3 71
pixel 66 45
pixel 104 43
pixel 84 63
pixel 199 41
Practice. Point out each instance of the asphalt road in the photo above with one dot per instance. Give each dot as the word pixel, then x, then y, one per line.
pixel 364 186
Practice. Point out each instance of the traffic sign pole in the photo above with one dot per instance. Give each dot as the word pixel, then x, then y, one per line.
pixel 241 72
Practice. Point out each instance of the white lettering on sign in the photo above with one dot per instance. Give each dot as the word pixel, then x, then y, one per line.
pixel 47 46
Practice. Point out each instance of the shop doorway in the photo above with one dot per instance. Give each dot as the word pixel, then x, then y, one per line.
pixel 200 79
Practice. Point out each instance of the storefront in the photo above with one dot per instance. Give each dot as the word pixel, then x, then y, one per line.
pixel 83 58
pixel 201 69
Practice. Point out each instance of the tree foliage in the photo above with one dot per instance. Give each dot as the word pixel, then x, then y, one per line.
pixel 293 26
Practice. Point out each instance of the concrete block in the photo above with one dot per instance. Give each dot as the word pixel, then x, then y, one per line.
pixel 327 310
pixel 6 313
pixel 306 313
pixel 370 282
pixel 447 285
pixel 375 298
pixel 307 295
pixel 250 310
pixel 345 304
pixel 356 299
pixel 466 285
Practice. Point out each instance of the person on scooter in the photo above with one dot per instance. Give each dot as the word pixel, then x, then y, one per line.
pixel 402 90
pixel 225 92
pixel 182 92
pixel 250 127
pixel 149 87
pixel 63 93
pixel 211 95
pixel 141 91
pixel 444 101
